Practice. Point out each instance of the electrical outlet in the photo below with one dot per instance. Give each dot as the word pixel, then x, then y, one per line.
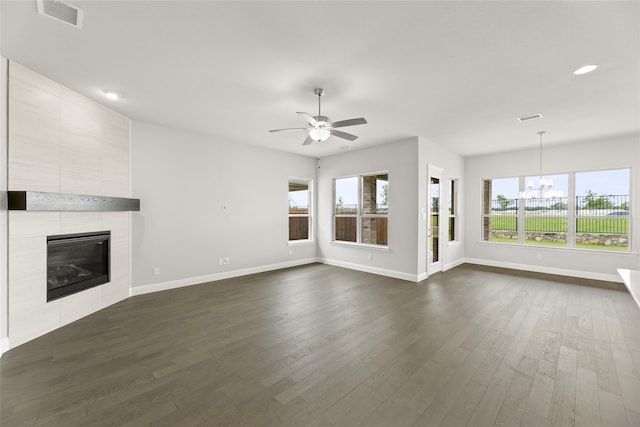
pixel 539 257
pixel 220 260
pixel 226 261
pixel 156 271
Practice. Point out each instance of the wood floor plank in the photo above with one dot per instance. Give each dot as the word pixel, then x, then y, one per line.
pixel 587 415
pixel 587 387
pixel 489 407
pixel 319 345
pixel 563 408
pixel 540 398
pixel 515 402
pixel 449 393
pixel 633 418
pixel 465 405
pixel 612 412
pixel 606 368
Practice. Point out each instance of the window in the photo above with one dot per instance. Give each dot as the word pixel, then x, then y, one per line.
pixel 453 209
pixel 584 210
pixel 361 208
pixel 546 217
pixel 500 210
pixel 299 209
pixel 346 213
pixel 602 209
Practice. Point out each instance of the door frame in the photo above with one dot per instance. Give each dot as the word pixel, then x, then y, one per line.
pixel 438 266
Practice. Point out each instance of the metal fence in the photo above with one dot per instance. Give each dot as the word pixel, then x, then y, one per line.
pixel 352 209
pixel 603 214
pixel 603 205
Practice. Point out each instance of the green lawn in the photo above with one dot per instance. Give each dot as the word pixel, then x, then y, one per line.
pixel 559 225
pixel 605 225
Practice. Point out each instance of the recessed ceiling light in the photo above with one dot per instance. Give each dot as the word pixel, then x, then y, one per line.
pixel 585 69
pixel 111 94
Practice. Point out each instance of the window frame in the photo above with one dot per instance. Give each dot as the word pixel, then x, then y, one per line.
pixel 452 232
pixel 359 215
pixel 531 205
pixel 487 210
pixel 308 215
pixel 572 214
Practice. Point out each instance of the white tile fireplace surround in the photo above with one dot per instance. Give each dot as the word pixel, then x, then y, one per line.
pixel 61 142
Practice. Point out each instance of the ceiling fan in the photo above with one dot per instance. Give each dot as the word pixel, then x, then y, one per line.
pixel 321 128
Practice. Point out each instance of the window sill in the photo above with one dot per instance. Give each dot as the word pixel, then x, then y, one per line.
pixel 360 245
pixel 300 242
pixel 559 249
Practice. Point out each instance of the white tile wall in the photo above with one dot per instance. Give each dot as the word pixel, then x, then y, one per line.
pixel 60 141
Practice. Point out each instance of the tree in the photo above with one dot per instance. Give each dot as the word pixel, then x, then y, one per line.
pixel 503 202
pixel 340 203
pixel 593 201
pixel 385 195
pixel 435 204
pixel 559 206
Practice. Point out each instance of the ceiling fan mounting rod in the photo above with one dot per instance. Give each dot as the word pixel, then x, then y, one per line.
pixel 319 92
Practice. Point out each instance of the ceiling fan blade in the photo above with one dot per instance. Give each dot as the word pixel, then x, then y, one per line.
pixel 309 118
pixel 307 141
pixel 343 135
pixel 279 130
pixel 350 122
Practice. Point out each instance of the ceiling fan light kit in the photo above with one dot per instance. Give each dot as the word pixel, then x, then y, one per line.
pixel 321 128
pixel 319 134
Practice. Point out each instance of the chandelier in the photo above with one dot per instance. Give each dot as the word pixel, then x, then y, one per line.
pixel 544 189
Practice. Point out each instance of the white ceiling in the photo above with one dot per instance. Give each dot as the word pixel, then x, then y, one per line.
pixel 455 73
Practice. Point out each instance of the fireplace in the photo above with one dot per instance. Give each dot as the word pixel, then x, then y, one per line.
pixel 76 262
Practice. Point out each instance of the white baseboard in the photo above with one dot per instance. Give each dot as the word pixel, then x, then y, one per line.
pixel 189 281
pixel 445 267
pixel 454 264
pixel 368 269
pixel 4 345
pixel 547 270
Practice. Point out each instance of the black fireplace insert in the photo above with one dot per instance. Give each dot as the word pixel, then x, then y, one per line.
pixel 76 262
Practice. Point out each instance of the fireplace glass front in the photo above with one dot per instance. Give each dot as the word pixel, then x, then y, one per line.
pixel 76 262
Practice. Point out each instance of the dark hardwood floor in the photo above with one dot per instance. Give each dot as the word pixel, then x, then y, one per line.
pixel 323 346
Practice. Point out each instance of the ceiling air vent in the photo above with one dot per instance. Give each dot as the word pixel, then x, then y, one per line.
pixel 530 117
pixel 61 11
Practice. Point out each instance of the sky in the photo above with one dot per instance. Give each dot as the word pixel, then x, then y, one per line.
pixel 299 198
pixel 608 182
pixel 348 189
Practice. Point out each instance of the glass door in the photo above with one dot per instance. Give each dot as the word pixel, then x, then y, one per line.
pixel 434 244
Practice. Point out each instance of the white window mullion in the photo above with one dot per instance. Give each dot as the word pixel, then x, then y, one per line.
pixel 571 212
pixel 520 221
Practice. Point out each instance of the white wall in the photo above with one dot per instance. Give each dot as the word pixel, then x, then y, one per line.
pixel 183 179
pixel 619 152
pixel 406 161
pixel 452 166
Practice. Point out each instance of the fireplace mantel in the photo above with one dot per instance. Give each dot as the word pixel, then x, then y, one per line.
pixel 41 201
